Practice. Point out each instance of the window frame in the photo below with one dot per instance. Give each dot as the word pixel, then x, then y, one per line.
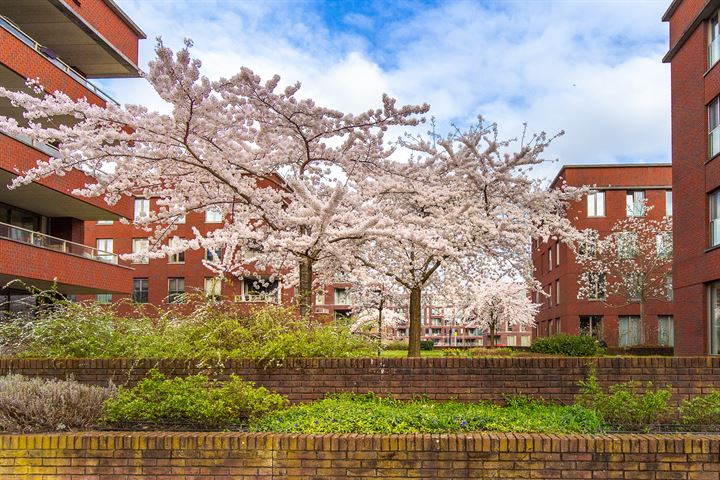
pixel 175 295
pixel 176 258
pixel 147 248
pixel 635 207
pixel 596 203
pixel 137 213
pixel 144 281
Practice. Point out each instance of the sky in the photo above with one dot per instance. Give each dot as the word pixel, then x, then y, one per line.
pixel 590 68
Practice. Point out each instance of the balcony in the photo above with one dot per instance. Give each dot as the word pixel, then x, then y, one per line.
pixel 7 25
pixel 44 262
pixel 258 298
pixel 37 239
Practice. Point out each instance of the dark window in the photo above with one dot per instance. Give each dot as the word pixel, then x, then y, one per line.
pixel 140 290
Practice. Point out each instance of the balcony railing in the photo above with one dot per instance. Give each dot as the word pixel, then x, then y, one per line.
pixel 257 297
pixel 37 239
pixel 8 25
pixel 713 52
pixel 31 142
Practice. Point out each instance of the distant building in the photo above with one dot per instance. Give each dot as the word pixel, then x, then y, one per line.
pixel 63 43
pixel 557 271
pixel 695 75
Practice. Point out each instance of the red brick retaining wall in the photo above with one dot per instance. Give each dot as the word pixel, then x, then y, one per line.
pixel 171 456
pixel 467 379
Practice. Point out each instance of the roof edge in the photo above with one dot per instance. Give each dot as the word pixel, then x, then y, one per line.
pixel 124 16
pixel 606 165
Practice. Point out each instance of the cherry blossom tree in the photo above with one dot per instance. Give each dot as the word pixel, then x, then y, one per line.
pixel 282 171
pixel 630 265
pixel 465 200
pixel 489 303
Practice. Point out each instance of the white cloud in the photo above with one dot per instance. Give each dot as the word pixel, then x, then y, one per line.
pixel 590 68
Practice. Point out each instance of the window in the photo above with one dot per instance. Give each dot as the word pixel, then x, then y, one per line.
pixel 140 290
pixel 630 331
pixel 178 257
pixel 596 286
pixel 715 218
pixel 140 245
pixel 142 208
pixel 591 325
pixel 213 288
pixel 713 42
pixel 557 253
pixel 525 341
pixel 713 128
pixel 626 245
pixel 105 222
pixel 342 297
pixel 550 295
pixel 663 245
pixel 260 290
pixel 509 327
pixel 213 216
pixel 511 341
pixel 634 284
pixel 557 292
pixel 714 314
pixel 550 264
pixel 213 254
pixel 105 249
pixel 103 298
pixel 666 332
pixel 320 297
pixel 176 290
pixel 635 203
pixel 669 286
pixel 596 204
pixel 668 203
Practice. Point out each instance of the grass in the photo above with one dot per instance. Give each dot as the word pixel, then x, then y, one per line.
pixel 370 414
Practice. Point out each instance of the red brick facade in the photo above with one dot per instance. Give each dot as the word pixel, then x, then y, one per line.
pixel 555 264
pixel 41 224
pixel 696 174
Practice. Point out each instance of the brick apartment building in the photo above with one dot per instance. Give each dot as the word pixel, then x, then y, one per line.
pixel 63 43
pixel 556 269
pixel 695 88
pixel 160 281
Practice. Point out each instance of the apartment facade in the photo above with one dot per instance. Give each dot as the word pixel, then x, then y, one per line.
pixel 63 43
pixel 617 189
pixel 695 88
pixel 161 281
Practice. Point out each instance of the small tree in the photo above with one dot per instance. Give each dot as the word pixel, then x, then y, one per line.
pixel 489 303
pixel 630 265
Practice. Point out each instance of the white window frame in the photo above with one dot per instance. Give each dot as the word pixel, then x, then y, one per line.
pixel 666 330
pixel 668 203
pixel 635 203
pixel 105 222
pixel 104 247
pixel 630 331
pixel 714 211
pixel 713 119
pixel 176 258
pixel 596 204
pixel 175 295
pixel 557 254
pixel 557 292
pixel 137 248
pixel 147 290
pixel 213 216
pixel 713 38
pixel 212 286
pixel 142 208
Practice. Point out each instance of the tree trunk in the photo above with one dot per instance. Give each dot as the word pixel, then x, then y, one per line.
pixel 380 310
pixel 304 300
pixel 415 307
pixel 492 335
pixel 643 333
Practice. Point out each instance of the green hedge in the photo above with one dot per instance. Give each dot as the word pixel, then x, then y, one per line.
pixel 570 345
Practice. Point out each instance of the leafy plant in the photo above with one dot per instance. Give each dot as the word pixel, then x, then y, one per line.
pixel 396 345
pixel 41 405
pixel 194 400
pixel 627 406
pixel 427 344
pixel 368 413
pixel 570 345
pixel 701 410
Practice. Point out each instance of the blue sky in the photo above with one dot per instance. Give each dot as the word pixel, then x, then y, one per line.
pixel 589 67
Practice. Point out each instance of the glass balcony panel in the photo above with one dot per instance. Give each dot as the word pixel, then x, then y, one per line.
pixel 714 142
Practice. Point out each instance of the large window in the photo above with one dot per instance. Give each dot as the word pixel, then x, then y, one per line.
pixel 715 218
pixel 630 331
pixel 713 39
pixel 596 204
pixel 635 203
pixel 714 315
pixel 176 290
pixel 714 128
pixel 103 298
pixel 626 245
pixel 142 208
pixel 140 245
pixel 260 290
pixel 213 288
pixel 596 286
pixel 178 257
pixel 140 290
pixel 592 325
pixel 213 216
pixel 105 249
pixel 213 254
pixel 343 298
pixel 663 245
pixel 666 332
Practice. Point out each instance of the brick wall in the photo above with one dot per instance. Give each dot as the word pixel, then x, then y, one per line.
pixel 467 379
pixel 269 456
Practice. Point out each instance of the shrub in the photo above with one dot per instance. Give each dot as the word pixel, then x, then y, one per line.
pixel 210 331
pixel 627 406
pixel 192 401
pixel 369 414
pixel 40 405
pixel 701 410
pixel 570 345
pixel 396 345
pixel 427 344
